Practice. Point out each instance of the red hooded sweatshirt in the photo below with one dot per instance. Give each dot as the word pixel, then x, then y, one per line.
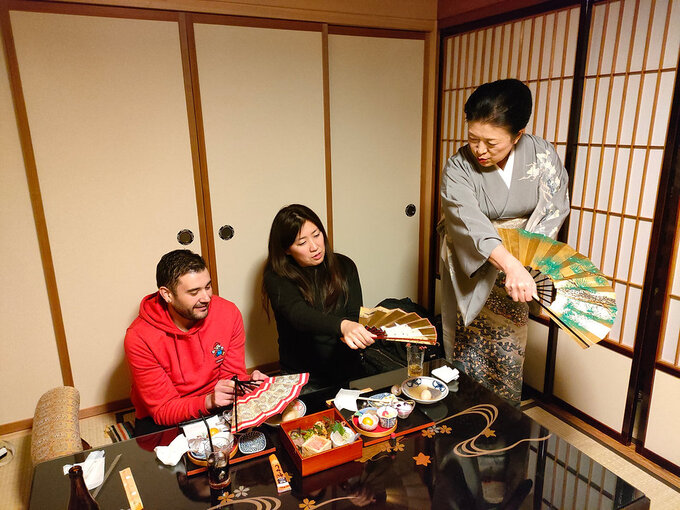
pixel 172 370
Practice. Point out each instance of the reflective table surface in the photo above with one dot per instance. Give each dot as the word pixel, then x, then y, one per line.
pixel 480 453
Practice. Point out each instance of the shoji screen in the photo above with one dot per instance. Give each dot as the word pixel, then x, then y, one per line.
pixel 630 73
pixel 669 351
pixel 539 50
pixel 661 435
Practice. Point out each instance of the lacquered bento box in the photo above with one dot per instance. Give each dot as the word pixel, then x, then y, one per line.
pixel 324 460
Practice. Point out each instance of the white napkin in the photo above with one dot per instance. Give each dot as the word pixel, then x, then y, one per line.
pixel 446 373
pixel 171 454
pixel 93 469
pixel 346 399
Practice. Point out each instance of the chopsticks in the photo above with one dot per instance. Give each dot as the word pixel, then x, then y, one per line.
pixel 106 475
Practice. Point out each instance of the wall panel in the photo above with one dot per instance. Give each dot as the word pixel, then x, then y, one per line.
pixel 592 380
pixel 376 110
pixel 662 427
pixel 111 141
pixel 262 101
pixel 30 365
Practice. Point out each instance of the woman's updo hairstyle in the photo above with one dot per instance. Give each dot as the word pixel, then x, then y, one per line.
pixel 502 103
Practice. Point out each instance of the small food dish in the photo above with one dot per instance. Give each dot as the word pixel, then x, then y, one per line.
pixel 382 399
pixel 252 442
pixel 425 390
pixel 387 416
pixel 296 409
pixel 343 438
pixel 367 418
pixel 367 422
pixel 405 408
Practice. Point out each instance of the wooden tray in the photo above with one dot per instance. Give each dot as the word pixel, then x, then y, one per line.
pixel 417 420
pixel 379 431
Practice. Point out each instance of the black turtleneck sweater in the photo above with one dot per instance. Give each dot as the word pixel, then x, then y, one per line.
pixel 309 338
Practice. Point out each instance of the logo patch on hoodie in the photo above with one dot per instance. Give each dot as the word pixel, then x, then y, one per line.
pixel 218 352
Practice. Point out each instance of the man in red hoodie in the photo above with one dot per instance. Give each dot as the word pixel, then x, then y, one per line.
pixel 184 346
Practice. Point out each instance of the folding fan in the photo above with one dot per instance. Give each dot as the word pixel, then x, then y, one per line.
pixel 574 293
pixel 268 398
pixel 398 325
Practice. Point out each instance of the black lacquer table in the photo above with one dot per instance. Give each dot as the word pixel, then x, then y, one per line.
pixel 480 453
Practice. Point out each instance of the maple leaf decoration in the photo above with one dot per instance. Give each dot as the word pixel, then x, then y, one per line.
pixel 489 433
pixel 422 459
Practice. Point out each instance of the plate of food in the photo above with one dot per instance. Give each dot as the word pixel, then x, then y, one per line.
pixel 425 390
pixel 199 446
pixel 369 421
pixel 296 409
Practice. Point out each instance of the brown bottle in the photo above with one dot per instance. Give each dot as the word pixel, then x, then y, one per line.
pixel 80 499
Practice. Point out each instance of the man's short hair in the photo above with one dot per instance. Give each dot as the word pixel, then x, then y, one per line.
pixel 176 264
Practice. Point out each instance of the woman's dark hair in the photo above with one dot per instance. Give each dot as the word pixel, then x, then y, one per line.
pixel 503 103
pixel 285 228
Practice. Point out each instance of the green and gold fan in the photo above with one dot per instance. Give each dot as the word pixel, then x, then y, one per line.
pixel 574 293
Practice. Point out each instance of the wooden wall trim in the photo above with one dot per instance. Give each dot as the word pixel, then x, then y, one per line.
pixel 397 14
pixel 198 151
pixel 16 426
pixel 35 194
pixel 472 20
pixel 376 32
pixel 90 10
pixel 657 278
pixel 428 171
pixel 325 62
pixel 241 21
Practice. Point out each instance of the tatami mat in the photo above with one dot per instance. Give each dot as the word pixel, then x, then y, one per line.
pixel 15 477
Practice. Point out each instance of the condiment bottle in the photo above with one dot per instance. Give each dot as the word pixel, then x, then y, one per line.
pixel 80 499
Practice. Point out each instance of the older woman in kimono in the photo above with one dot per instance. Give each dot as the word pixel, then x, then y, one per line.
pixel 503 178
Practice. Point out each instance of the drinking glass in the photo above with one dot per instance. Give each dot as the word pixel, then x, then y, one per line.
pixel 414 359
pixel 218 469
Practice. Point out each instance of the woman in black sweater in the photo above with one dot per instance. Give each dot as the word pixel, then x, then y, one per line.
pixel 315 295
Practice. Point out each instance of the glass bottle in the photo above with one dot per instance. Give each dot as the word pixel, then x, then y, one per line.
pixel 80 499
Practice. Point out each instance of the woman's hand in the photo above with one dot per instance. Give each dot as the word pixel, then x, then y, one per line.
pixel 519 284
pixel 355 335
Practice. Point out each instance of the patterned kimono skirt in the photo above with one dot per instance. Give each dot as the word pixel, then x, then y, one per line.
pixel 491 349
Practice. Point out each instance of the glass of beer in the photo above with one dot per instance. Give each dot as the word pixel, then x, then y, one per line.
pixel 414 359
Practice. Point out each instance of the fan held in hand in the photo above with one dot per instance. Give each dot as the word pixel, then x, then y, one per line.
pixel 574 293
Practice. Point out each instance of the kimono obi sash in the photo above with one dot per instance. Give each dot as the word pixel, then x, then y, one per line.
pixel 511 222
pixel 471 293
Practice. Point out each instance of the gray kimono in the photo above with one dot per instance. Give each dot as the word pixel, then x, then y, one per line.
pixel 474 199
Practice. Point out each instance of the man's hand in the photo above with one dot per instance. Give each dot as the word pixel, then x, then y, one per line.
pixel 355 335
pixel 258 376
pixel 221 396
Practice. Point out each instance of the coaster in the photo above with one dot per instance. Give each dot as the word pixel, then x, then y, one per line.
pixel 252 442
